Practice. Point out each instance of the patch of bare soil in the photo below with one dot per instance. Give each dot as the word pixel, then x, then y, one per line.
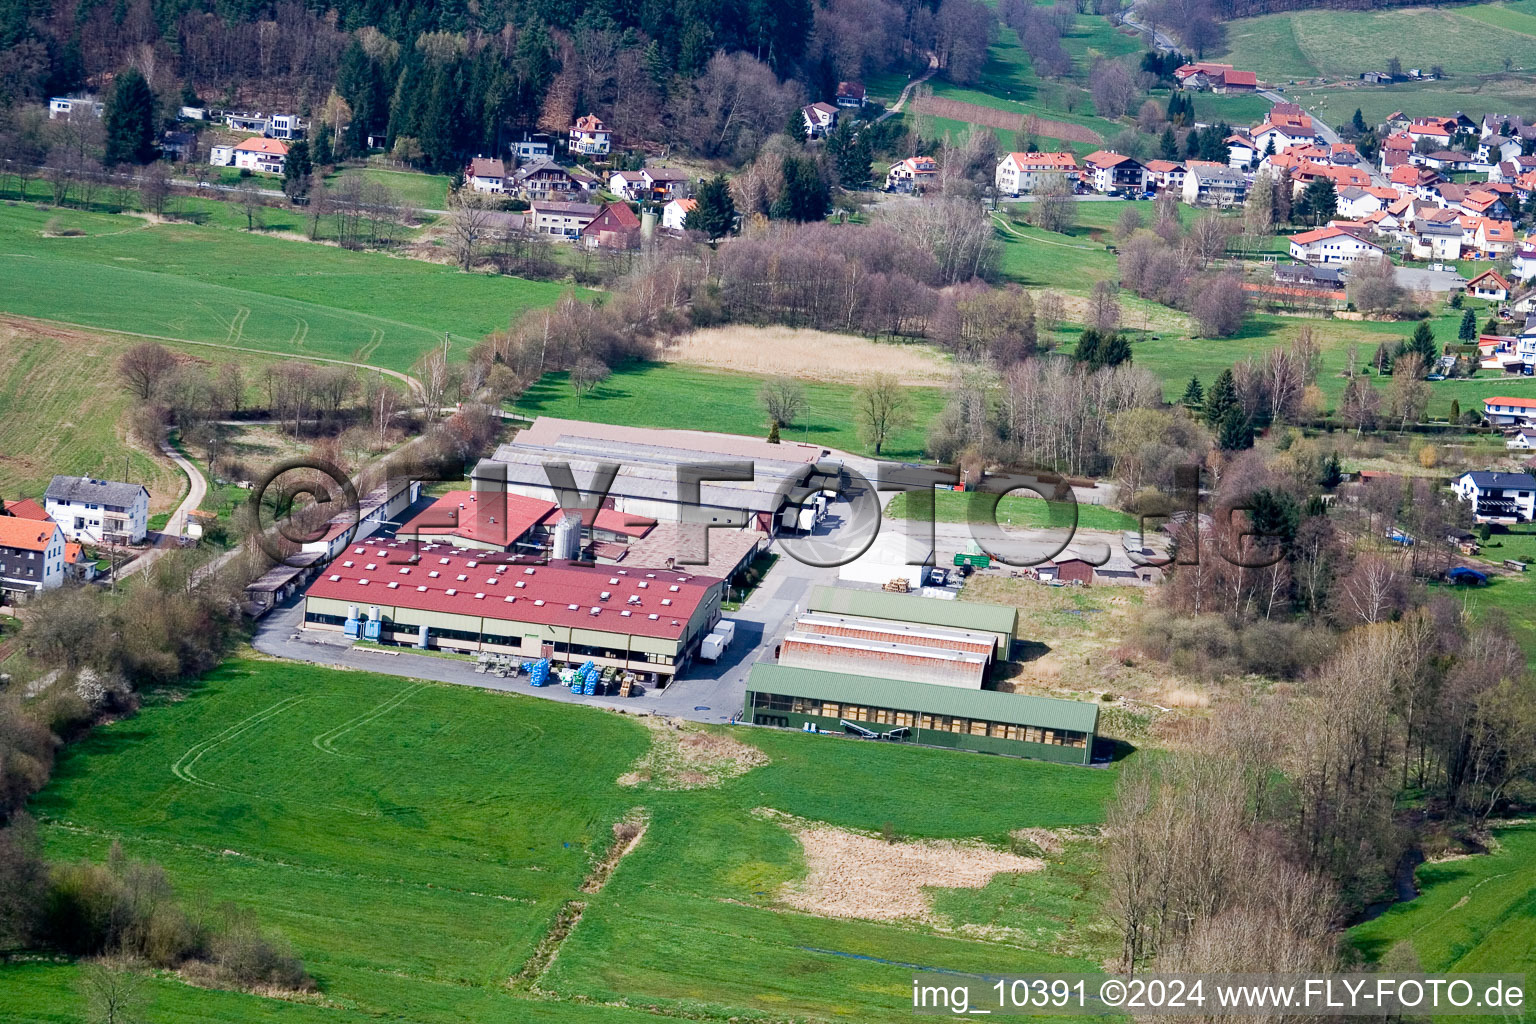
pixel 860 875
pixel 810 355
pixel 1008 120
pixel 683 756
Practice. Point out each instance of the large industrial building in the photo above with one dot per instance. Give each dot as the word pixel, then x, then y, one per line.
pixel 998 620
pixel 916 652
pixel 646 621
pixel 648 461
pixel 943 716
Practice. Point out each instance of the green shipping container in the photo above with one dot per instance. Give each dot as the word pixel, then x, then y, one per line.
pixel 979 561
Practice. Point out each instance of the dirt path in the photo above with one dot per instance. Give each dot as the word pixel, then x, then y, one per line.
pixel 901 101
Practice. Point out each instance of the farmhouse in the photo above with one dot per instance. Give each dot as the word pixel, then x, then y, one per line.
pixel 615 227
pixel 912 174
pixel 1332 245
pixel 647 621
pixel 942 716
pixel 263 154
pixel 1218 78
pixel 486 175
pixel 1488 285
pixel 565 221
pixel 1498 497
pixel 1503 411
pixel 1210 184
pixel 1287 125
pixel 1018 173
pixel 820 118
pixel 31 555
pixel 98 511
pixel 850 94
pixel 1108 171
pixel 590 137
pixel 646 482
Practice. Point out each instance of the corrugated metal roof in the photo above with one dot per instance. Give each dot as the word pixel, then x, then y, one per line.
pixel 879 604
pixel 990 705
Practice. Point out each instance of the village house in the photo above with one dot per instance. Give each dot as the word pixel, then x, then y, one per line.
pixel 850 95
pixel 1488 285
pixel 543 179
pixel 1018 173
pixel 1107 171
pixel 1212 184
pixel 1503 411
pixel 1287 125
pixel 98 511
pixel 1241 152
pixel 1436 240
pixel 532 146
pixel 1523 262
pixel 590 137
pixel 615 227
pixel 1356 201
pixel 255 154
pixel 1523 439
pixel 486 175
pixel 178 146
pixel 1493 238
pixel 1166 176
pixel 31 555
pixel 560 220
pixel 1498 149
pixel 628 184
pixel 1332 245
pixel 675 214
pixel 1508 171
pixel 1396 149
pixel 1221 79
pixel 1438 130
pixel 912 174
pixel 1484 203
pixel 1505 498
pixel 1414 182
pixel 820 119
pixel 660 184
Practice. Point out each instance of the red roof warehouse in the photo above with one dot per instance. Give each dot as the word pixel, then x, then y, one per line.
pixel 648 620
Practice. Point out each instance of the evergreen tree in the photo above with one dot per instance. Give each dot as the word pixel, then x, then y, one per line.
pixel 296 170
pixel 1087 350
pixel 1221 399
pixel 1423 344
pixel 320 152
pixel 1333 472
pixel 1455 411
pixel 1319 201
pixel 795 127
pixel 1358 121
pixel 804 195
pixel 773 433
pixel 850 155
pixel 130 121
pixel 1194 396
pixel 1492 326
pixel 1235 433
pixel 1468 332
pixel 1456 300
pixel 1169 147
pixel 714 212
pixel 1192 145
pixel 1114 350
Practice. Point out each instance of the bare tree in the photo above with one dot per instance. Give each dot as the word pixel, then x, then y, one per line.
pixel 1050 311
pixel 144 368
pixel 586 375
pixel 784 399
pixel 114 993
pixel 1053 205
pixel 1218 303
pixel 252 205
pixel 1208 238
pixel 1104 307
pixel 469 226
pixel 882 407
pixel 1112 88
pixel 1373 287
pixel 1408 396
pixel 155 187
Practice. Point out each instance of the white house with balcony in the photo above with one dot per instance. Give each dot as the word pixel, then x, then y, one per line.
pixel 1498 497
pixel 98 511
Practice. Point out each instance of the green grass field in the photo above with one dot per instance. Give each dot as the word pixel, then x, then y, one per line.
pixel 246 290
pixel 1307 44
pixel 415 841
pixel 670 395
pixel 422 191
pixel 1021 509
pixel 1473 915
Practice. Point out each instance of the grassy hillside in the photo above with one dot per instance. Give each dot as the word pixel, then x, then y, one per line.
pixel 415 841
pixel 1475 914
pixel 248 291
pixel 672 395
pixel 1308 44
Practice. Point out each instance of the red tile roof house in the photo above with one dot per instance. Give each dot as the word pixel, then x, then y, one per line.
pixel 590 137
pixel 1332 245
pixel 648 621
pixel 912 174
pixel 616 227
pixel 1488 285
pixel 31 555
pixel 1018 173
pixel 267 155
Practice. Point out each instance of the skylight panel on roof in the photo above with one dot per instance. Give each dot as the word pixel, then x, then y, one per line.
pixel 539 602
pixel 666 600
pixel 528 571
pixel 371 565
pixel 462 577
pixel 363 582
pixel 450 591
pixel 674 589
pixel 519 583
pixel 510 598
pixel 479 597
pixel 421 590
pixel 346 565
pixel 613 580
pixel 653 616
pixel 335 579
pixel 443 561
pixel 434 574
pixel 572 607
pixel 471 563
pixel 393 584
pixel 405 571
pixel 625 613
